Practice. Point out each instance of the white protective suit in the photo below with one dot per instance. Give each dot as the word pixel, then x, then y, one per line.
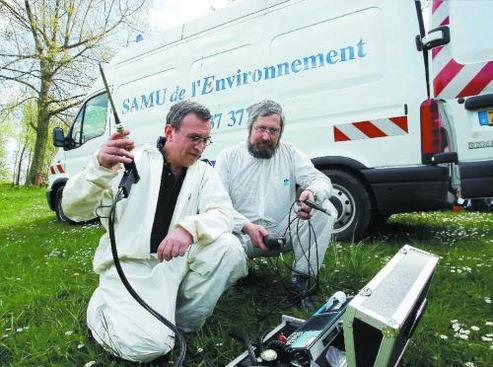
pixel 185 289
pixel 263 191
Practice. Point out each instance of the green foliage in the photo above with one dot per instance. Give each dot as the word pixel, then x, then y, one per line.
pixel 5 134
pixel 46 281
pixel 21 129
pixel 28 121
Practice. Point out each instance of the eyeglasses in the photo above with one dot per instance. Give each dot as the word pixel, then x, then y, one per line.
pixel 265 129
pixel 195 139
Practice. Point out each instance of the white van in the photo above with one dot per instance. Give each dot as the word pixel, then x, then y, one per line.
pixel 396 128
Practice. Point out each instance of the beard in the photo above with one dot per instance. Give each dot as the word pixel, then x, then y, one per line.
pixel 262 150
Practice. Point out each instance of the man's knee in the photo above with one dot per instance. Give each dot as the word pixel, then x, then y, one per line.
pixel 133 344
pixel 125 337
pixel 215 268
pixel 232 249
pixel 322 223
pixel 146 348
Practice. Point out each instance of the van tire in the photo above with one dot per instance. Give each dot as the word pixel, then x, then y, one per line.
pixel 58 207
pixel 353 204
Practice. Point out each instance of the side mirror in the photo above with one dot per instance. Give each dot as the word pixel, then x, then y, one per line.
pixel 58 137
pixel 436 37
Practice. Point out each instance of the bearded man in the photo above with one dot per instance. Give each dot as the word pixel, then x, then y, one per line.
pixel 262 177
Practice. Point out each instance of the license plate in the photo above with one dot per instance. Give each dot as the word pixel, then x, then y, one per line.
pixel 486 118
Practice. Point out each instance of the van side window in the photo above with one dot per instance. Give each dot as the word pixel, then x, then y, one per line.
pixel 95 117
pixel 91 120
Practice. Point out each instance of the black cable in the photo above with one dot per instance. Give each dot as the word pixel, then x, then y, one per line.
pixel 311 288
pixel 311 231
pixel 317 276
pixel 260 341
pixel 288 228
pixel 243 338
pixel 281 305
pixel 133 293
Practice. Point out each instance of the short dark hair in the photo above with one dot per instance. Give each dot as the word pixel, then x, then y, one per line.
pixel 267 107
pixel 179 110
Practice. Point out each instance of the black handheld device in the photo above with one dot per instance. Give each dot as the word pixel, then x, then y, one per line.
pixel 274 243
pixel 130 175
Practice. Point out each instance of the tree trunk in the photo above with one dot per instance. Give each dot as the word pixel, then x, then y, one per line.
pixel 14 173
pixel 19 167
pixel 43 123
pixel 28 165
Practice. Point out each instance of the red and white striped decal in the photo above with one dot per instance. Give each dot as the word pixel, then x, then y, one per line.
pixel 453 79
pixel 57 168
pixel 379 128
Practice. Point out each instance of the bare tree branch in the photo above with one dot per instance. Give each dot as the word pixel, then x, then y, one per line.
pixel 50 47
pixel 16 14
pixel 7 110
pixel 64 108
pixel 33 27
pixel 5 77
pixel 21 73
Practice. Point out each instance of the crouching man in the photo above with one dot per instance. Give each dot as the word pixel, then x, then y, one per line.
pixel 172 234
pixel 261 176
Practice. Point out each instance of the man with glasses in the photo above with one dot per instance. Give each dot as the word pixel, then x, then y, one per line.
pixel 262 176
pixel 173 236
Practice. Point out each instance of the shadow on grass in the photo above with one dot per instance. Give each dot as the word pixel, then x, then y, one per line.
pixel 402 232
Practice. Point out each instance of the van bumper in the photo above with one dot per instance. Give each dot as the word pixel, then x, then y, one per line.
pixel 410 189
pixel 476 179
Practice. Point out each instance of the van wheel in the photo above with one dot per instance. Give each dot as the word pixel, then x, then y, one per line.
pixel 353 205
pixel 58 206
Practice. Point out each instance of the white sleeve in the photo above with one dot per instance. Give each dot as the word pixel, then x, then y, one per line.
pixel 223 167
pixel 214 215
pixel 83 192
pixel 309 178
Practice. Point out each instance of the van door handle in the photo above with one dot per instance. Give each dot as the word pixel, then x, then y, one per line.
pixel 475 103
pixel 445 157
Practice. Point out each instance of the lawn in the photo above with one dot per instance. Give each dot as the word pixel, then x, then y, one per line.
pixel 46 280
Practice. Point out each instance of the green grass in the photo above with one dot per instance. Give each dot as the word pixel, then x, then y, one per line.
pixel 46 280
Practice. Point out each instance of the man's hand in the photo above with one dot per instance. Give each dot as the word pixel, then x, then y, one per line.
pixel 175 244
pixel 304 211
pixel 116 150
pixel 257 234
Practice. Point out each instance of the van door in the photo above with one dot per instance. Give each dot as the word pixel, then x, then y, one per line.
pixel 462 76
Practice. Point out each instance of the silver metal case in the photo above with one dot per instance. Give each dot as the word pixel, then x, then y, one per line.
pixel 381 318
